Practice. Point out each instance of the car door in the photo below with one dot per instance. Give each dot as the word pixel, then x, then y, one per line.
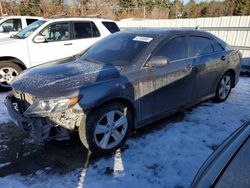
pixel 57 45
pixel 85 35
pixel 167 88
pixel 209 63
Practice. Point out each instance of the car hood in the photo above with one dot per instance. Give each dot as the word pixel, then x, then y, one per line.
pixel 4 35
pixel 62 77
pixel 5 39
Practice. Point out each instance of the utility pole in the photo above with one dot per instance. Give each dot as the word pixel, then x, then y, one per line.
pixel 1 9
pixel 144 12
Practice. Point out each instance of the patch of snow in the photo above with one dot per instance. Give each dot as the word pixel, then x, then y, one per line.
pixel 169 157
pixel 4 116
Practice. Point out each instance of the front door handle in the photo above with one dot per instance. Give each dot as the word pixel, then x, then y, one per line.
pixel 223 58
pixel 67 44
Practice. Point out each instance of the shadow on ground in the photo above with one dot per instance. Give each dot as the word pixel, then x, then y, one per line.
pixel 20 154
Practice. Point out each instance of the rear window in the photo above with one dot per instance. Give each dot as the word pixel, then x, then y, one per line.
pixel 30 21
pixel 111 26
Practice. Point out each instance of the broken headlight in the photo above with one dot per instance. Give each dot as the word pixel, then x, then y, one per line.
pixel 44 107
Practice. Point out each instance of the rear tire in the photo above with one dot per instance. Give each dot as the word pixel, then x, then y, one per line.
pixel 224 88
pixel 100 134
pixel 8 71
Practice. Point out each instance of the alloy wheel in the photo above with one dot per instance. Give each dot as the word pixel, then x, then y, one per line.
pixel 7 74
pixel 111 129
pixel 225 87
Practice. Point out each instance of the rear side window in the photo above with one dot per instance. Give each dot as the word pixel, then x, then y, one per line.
pixel 201 45
pixel 30 21
pixel 217 46
pixel 111 26
pixel 175 49
pixel 11 25
pixel 85 30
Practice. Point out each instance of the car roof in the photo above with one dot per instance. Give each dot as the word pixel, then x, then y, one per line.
pixel 34 17
pixel 164 31
pixel 79 18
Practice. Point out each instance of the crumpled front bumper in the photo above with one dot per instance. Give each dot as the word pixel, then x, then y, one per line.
pixel 15 115
pixel 39 128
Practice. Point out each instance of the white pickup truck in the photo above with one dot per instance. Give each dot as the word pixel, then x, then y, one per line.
pixel 10 25
pixel 49 40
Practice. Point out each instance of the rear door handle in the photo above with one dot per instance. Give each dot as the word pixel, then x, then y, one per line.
pixel 189 67
pixel 67 44
pixel 223 58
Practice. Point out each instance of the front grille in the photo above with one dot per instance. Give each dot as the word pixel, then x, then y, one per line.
pixel 23 100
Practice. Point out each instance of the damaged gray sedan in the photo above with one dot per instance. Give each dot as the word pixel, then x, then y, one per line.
pixel 123 82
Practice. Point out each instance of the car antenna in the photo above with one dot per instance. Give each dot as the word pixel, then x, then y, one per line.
pixel 197 27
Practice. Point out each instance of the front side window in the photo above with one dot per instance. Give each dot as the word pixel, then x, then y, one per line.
pixel 174 49
pixel 11 25
pixel 57 32
pixel 117 49
pixel 201 45
pixel 85 30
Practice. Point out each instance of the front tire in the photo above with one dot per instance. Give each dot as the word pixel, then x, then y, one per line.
pixel 106 128
pixel 8 71
pixel 224 88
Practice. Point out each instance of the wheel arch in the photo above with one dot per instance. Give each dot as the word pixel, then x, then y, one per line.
pixel 14 60
pixel 121 100
pixel 233 73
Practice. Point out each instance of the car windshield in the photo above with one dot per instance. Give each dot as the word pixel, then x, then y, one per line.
pixel 29 29
pixel 119 49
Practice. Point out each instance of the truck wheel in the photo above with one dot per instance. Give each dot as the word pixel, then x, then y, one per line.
pixel 106 128
pixel 8 71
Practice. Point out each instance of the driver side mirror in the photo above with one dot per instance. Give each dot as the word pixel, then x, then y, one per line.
pixel 157 62
pixel 1 29
pixel 39 39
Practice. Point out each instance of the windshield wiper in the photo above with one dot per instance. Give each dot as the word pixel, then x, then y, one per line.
pixel 92 60
pixel 15 37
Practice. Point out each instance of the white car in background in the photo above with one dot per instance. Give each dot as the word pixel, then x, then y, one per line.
pixel 10 25
pixel 49 40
